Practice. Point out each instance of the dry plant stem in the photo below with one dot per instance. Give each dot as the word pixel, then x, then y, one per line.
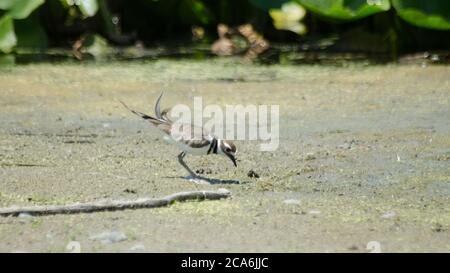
pixel 116 205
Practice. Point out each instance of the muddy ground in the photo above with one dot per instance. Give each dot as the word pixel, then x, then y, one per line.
pixel 364 156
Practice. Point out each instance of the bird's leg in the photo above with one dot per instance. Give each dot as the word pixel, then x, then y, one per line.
pixel 180 159
pixel 194 178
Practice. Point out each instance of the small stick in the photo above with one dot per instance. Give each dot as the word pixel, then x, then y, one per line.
pixel 116 204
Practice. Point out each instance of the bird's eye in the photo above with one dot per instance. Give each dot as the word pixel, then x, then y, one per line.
pixel 227 150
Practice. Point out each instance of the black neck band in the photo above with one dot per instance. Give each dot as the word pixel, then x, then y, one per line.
pixel 213 147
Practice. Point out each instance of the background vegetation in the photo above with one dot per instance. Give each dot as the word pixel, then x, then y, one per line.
pixel 387 26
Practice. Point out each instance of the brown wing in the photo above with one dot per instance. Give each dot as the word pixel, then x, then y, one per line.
pixel 196 136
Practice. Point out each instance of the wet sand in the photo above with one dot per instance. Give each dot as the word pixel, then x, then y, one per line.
pixel 364 156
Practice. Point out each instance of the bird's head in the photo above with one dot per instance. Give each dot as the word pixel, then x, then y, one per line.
pixel 226 147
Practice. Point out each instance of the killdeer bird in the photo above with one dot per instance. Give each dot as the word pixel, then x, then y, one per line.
pixel 227 45
pixel 224 46
pixel 187 138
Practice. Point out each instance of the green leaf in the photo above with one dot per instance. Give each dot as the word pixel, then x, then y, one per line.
pixel 428 14
pixel 7 4
pixel 345 10
pixel 8 38
pixel 268 4
pixel 20 9
pixel 88 7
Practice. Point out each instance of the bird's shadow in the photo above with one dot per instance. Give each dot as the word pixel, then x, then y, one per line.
pixel 205 180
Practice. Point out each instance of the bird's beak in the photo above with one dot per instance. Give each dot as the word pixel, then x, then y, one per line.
pixel 232 159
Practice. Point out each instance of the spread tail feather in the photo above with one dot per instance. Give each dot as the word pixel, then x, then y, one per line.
pixel 157 106
pixel 161 115
pixel 153 120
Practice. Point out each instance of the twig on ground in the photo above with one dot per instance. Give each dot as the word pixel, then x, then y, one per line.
pixel 116 204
